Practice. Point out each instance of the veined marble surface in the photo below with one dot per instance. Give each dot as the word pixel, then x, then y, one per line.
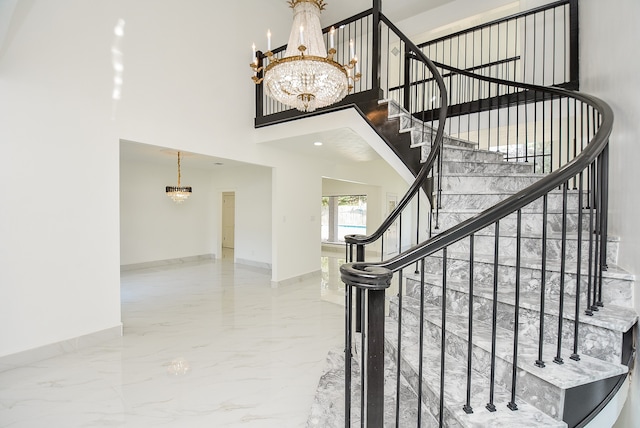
pixel 206 344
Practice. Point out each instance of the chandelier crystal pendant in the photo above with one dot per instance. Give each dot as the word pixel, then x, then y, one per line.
pixel 307 77
pixel 178 193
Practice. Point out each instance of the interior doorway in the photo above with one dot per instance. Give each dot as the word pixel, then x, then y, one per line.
pixel 228 222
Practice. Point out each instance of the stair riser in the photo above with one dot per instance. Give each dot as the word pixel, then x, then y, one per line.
pixel 480 201
pixel 485 167
pixel 531 223
pixel 455 154
pixel 538 393
pixel 480 183
pixel 531 248
pixel 614 291
pixel 594 341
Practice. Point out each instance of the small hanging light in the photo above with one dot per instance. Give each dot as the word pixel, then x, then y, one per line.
pixel 178 193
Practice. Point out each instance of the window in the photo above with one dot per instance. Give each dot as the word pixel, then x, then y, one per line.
pixel 343 215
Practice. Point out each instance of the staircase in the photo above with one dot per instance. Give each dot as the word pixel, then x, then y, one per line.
pixel 511 311
pixel 548 393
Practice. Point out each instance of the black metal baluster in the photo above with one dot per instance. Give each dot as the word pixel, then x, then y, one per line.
pixel 575 356
pixel 544 46
pixel 399 351
pixel 558 358
pixel 421 343
pixel 388 96
pixel 348 292
pixel 359 292
pixel 417 219
pixel 535 129
pixel 590 190
pixel 494 321
pixel 400 234
pixel 443 334
pixel 600 223
pixel 559 133
pixel 553 67
pixel 569 134
pixel 597 171
pixel 467 407
pixel 543 280
pixel 575 130
pixel 512 404
pixel 363 362
pixel 605 215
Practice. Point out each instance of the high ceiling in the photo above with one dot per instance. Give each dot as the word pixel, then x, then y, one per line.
pixel 340 144
pixel 395 10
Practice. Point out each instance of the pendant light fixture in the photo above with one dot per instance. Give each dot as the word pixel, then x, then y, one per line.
pixel 178 193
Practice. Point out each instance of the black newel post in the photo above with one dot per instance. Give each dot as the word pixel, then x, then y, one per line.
pixel 376 42
pixel 373 281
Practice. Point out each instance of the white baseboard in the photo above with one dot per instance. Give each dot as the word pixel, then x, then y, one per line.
pixel 30 356
pixel 253 263
pixel 167 262
pixel 296 279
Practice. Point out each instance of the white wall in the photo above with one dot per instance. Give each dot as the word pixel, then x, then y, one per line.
pixel 152 226
pixel 59 274
pixel 609 70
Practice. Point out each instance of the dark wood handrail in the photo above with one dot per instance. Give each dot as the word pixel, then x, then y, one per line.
pixel 433 155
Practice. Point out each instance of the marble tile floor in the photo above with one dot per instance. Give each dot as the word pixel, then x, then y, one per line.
pixel 205 344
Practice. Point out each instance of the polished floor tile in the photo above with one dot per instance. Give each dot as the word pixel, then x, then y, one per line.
pixel 207 344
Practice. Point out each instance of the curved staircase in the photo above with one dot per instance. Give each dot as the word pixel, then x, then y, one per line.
pixel 512 311
pixel 560 394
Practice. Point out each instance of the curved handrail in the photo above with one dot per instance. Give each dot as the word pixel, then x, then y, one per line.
pixel 522 198
pixel 433 155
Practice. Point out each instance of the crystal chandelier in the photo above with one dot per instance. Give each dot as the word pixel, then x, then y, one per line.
pixel 307 77
pixel 178 193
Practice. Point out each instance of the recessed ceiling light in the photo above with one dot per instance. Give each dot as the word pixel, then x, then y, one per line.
pixel 317 143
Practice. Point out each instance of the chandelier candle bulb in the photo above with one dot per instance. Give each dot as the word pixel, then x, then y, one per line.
pixel 331 41
pixel 301 35
pixel 253 54
pixel 351 50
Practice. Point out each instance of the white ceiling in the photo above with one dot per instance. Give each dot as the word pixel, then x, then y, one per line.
pixel 132 151
pixel 338 145
pixel 395 10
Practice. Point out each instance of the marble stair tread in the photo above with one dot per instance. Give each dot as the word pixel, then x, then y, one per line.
pixel 497 175
pixel 613 271
pixel 455 388
pixel 496 155
pixel 611 317
pixel 571 236
pixel 476 166
pixel 510 233
pixel 564 376
pixel 471 211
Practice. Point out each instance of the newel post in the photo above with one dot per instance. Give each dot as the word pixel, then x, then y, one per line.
pixel 376 61
pixel 373 281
